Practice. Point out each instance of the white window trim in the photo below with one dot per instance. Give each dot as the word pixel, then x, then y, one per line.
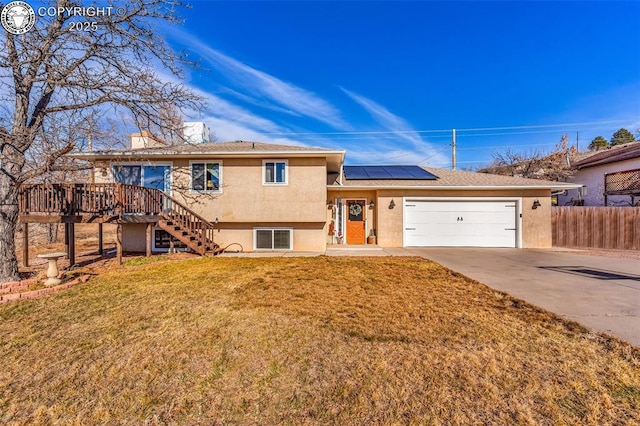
pixel 112 176
pixel 205 191
pixel 267 228
pixel 286 173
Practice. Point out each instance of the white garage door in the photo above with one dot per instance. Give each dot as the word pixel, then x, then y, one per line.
pixel 459 223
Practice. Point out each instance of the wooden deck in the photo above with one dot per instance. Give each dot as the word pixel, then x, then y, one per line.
pixel 113 203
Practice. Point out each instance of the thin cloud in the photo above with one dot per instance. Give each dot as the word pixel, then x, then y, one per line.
pixel 251 80
pixel 227 130
pixel 416 149
pixel 232 122
pixel 258 102
pixel 257 88
pixel 226 112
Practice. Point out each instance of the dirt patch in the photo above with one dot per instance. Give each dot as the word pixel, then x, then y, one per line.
pixel 88 259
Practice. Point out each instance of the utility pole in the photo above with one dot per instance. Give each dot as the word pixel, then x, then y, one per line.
pixel 453 149
pixel 578 141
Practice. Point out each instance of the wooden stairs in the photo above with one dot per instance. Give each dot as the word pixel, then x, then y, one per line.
pixel 192 236
pixel 119 203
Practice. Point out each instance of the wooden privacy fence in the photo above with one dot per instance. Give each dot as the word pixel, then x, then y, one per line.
pixel 597 227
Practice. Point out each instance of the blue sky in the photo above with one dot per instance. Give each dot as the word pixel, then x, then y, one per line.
pixel 387 81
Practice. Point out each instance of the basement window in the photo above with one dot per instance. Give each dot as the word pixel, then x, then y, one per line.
pixel 273 239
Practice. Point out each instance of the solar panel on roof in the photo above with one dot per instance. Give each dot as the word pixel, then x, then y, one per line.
pixel 387 173
pixel 355 172
pixel 377 172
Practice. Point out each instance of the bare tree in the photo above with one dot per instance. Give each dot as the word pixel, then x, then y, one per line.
pixel 54 70
pixel 554 166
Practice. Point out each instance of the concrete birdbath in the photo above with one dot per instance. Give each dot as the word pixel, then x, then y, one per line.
pixel 52 270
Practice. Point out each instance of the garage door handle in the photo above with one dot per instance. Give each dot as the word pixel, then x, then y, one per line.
pixel 409 229
pixel 509 229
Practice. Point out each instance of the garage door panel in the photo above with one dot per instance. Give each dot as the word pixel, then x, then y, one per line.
pixel 460 223
pixel 458 231
pixel 462 219
pixel 456 207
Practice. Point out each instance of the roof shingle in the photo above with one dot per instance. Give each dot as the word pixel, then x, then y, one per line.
pixel 218 147
pixel 453 178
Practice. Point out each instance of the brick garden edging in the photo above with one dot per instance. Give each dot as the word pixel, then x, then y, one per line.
pixel 8 289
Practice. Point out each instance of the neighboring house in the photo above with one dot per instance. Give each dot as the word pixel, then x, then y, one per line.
pixel 610 176
pixel 275 197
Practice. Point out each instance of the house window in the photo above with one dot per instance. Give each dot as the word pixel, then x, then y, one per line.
pixel 273 239
pixel 275 172
pixel 205 176
pixel 130 175
pixel 156 176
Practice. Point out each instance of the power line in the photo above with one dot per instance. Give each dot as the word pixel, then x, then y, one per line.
pixel 469 135
pixel 390 136
pixel 471 129
pixel 541 126
pixel 530 133
pixel 507 146
pixel 390 132
pixel 431 156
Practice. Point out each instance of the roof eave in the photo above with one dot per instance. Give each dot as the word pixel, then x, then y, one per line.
pixel 559 186
pixel 129 154
pixel 602 162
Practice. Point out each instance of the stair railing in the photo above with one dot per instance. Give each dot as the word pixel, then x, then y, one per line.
pixel 136 199
pixel 112 199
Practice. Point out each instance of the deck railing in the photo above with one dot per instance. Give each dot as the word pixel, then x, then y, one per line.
pixel 112 199
pixel 67 199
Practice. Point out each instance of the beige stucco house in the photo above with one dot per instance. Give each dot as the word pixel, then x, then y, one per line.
pixel 274 197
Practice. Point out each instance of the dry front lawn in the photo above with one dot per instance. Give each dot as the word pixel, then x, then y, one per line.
pixel 347 341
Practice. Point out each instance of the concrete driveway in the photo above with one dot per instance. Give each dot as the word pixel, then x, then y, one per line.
pixel 601 293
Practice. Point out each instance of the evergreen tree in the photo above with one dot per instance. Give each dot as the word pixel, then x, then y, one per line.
pixel 621 137
pixel 598 143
